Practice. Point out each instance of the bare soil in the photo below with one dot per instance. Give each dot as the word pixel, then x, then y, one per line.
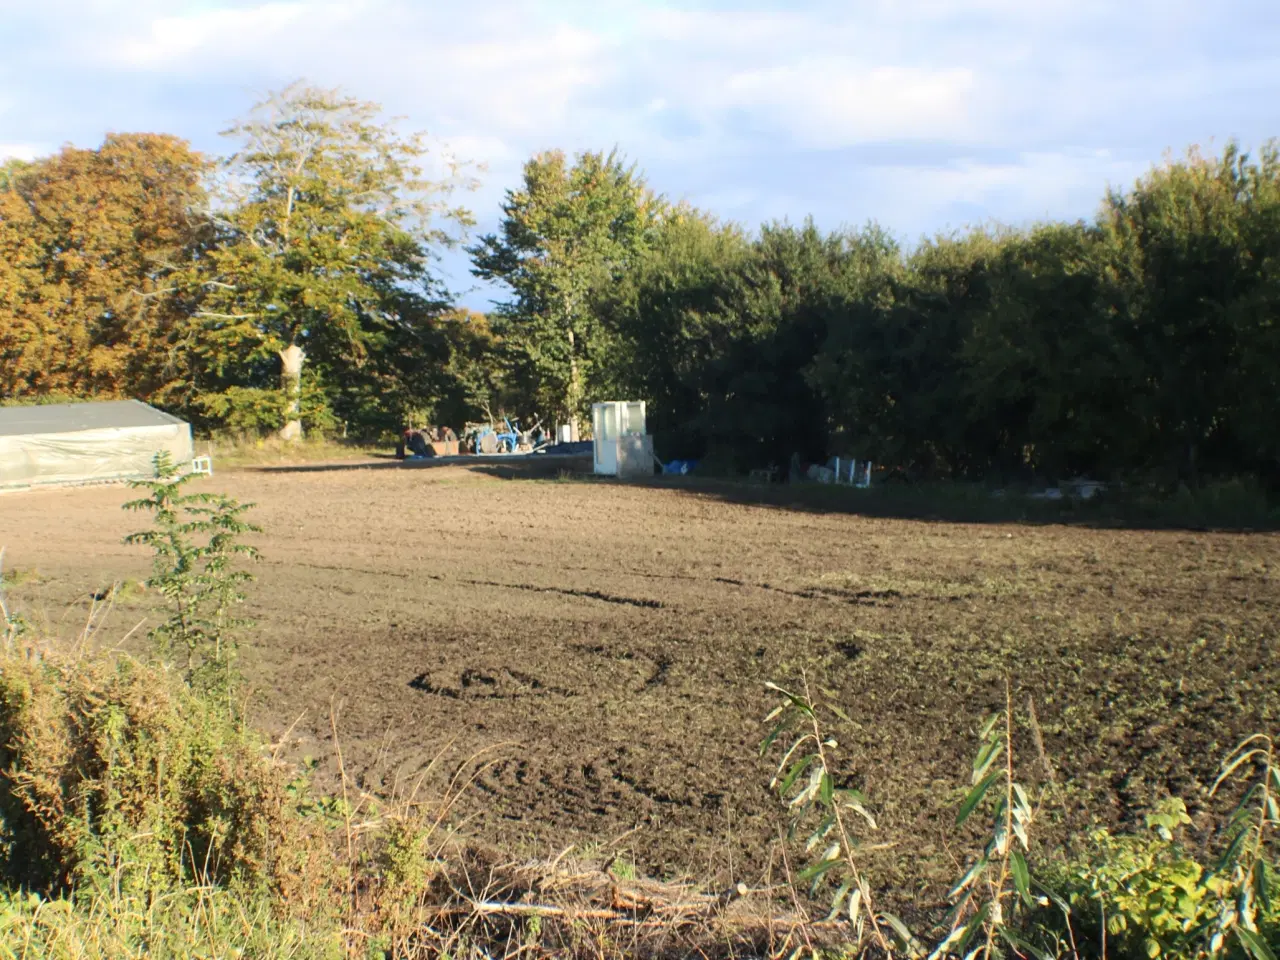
pixel 609 645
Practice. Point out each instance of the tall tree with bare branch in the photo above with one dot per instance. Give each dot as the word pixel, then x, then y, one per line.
pixel 328 217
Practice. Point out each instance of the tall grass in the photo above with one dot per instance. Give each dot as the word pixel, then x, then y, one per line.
pixel 250 450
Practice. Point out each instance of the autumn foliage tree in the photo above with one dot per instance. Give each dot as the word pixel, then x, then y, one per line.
pixel 89 242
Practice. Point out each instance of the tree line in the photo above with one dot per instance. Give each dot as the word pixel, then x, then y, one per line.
pixel 1141 344
pixel 293 283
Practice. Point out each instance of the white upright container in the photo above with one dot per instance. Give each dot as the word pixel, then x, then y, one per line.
pixel 621 446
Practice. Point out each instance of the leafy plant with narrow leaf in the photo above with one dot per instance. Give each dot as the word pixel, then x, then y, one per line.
pixel 1249 908
pixel 806 782
pixel 999 880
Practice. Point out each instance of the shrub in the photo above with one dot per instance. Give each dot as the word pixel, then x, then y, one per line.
pixel 1139 895
pixel 1145 895
pixel 114 777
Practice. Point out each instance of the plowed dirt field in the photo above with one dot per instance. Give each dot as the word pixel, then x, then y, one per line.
pixel 609 645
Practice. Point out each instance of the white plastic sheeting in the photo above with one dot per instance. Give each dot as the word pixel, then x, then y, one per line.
pixel 62 454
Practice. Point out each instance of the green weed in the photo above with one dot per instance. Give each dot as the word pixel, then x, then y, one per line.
pixel 195 544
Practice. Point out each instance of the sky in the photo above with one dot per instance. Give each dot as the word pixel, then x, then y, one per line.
pixel 923 115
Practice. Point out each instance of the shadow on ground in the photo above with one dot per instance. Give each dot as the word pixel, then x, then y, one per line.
pixel 1229 510
pixel 952 503
pixel 505 467
pixel 1226 507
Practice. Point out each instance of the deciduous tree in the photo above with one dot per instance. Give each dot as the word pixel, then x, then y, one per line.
pixel 566 233
pixel 327 222
pixel 89 240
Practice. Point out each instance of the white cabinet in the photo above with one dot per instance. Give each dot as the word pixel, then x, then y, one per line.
pixel 621 447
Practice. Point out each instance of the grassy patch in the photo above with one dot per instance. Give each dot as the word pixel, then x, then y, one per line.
pixel 210 922
pixel 17 576
pixel 250 451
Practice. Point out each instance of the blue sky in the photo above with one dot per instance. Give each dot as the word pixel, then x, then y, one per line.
pixel 925 115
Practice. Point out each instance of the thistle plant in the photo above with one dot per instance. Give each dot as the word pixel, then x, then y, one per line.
pixel 194 541
pixel 806 783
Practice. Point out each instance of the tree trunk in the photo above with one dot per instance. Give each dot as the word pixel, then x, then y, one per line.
pixel 574 391
pixel 291 358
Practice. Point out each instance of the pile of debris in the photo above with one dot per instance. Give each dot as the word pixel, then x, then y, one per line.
pixel 427 442
pixel 583 909
pixel 847 471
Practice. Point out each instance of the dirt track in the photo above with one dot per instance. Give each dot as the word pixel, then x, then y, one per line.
pixel 611 644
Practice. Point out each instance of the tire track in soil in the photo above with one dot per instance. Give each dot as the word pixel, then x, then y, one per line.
pixel 481 684
pixel 862 598
pixel 440 578
pixel 564 591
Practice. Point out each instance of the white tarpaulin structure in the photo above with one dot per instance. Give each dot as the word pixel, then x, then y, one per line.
pixel 87 443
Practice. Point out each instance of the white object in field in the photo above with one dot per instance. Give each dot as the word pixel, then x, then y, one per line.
pixel 854 472
pixel 95 442
pixel 621 447
pixel 202 465
pixel 564 433
pixel 843 470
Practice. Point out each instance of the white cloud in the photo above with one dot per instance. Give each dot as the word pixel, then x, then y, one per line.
pixel 520 85
pixel 833 102
pixel 912 111
pixel 22 151
pixel 724 29
pixel 188 41
pixel 1028 187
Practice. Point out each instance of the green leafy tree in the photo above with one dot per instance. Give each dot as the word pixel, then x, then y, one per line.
pixel 567 232
pixel 472 383
pixel 1202 245
pixel 325 229
pixel 669 313
pixel 1047 368
pixel 719 332
pixel 892 370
